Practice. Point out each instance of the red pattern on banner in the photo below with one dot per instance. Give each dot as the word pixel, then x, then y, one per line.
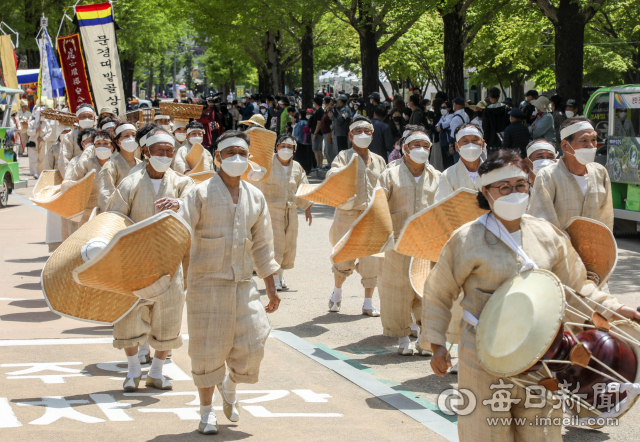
pixel 73 71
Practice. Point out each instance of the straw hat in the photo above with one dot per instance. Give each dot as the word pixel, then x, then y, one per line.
pixel 201 176
pixel 519 322
pixel 335 190
pixel 47 178
pixel 64 295
pixel 140 260
pixel 261 148
pixel 69 200
pixel 194 156
pixel 418 271
pixel 596 246
pixel 425 233
pixel 256 119
pixel 371 233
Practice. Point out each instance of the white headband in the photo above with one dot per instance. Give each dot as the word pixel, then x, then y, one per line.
pixel 233 141
pixel 506 172
pixel 360 123
pixel 124 127
pixel 101 137
pixel 542 145
pixel 178 124
pixel 143 140
pixel 85 136
pixel 417 136
pixel 289 141
pixel 161 117
pixel 85 110
pixel 468 131
pixel 161 138
pixel 109 125
pixel 192 129
pixel 570 130
pixel 406 133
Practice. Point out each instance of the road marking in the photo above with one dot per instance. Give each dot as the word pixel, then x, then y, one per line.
pixel 26 202
pixel 260 411
pixel 8 418
pixel 64 341
pixel 111 408
pixel 20 299
pixel 411 408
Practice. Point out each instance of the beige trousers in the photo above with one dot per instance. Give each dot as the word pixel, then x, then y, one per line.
pixel 475 427
pixel 227 324
pixel 285 236
pixel 367 267
pixel 32 152
pixel 157 323
pixel 397 298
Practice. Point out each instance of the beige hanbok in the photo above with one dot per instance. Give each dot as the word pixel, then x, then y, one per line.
pixel 57 227
pixel 279 190
pixel 454 178
pixel 227 321
pixel 477 262
pixel 76 172
pixel 342 219
pixel 556 196
pixel 43 130
pixel 406 197
pixel 157 323
pixel 69 147
pixel 180 163
pixel 110 177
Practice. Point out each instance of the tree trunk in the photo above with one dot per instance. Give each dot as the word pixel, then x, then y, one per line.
pixel 161 74
pixel 32 22
pixel 306 61
pixel 262 80
pixel 370 64
pixel 569 56
pixel 517 89
pixel 272 65
pixel 128 65
pixel 454 53
pixel 150 82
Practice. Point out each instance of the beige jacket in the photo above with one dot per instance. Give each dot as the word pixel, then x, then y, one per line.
pixel 454 178
pixel 280 187
pixel 367 176
pixel 110 177
pixel 77 170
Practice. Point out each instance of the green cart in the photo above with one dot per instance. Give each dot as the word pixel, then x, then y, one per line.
pixel 9 167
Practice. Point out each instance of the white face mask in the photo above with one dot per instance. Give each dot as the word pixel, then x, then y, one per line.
pixel 585 155
pixel 443 112
pixel 166 127
pixel 511 207
pixel 539 164
pixel 263 111
pixel 470 152
pixel 419 155
pixel 196 140
pixel 362 140
pixel 160 164
pixel 569 114
pixel 86 124
pixel 235 166
pixel 180 136
pixel 622 115
pixel 103 153
pixel 129 144
pixel 285 154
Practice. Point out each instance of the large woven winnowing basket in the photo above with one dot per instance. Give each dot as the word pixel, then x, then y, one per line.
pixel 68 298
pixel 139 116
pixel 201 176
pixel 138 256
pixel 425 233
pixel 180 110
pixel 65 118
pixel 371 233
pixel 261 149
pixel 47 178
pixel 69 199
pixel 194 156
pixel 336 189
pixel 418 271
pixel 596 246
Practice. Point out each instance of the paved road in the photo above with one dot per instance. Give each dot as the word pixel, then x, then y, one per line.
pixel 324 374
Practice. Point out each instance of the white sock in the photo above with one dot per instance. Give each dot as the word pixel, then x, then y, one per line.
pixel 204 410
pixel 156 368
pixel 229 389
pixel 134 366
pixel 276 280
pixel 144 349
pixel 404 342
pixel 368 304
pixel 336 296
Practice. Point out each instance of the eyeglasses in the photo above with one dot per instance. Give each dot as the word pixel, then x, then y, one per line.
pixel 506 189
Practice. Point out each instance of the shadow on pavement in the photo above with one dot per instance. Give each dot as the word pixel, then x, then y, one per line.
pixel 322 211
pixel 312 328
pixel 34 273
pixel 431 384
pixel 574 434
pixel 227 432
pixel 31 317
pixel 30 303
pixel 28 260
pixel 29 286
pixel 102 330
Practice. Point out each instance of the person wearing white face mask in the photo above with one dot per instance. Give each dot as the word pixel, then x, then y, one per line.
pixel 232 236
pixel 470 146
pixel 410 186
pixel 575 185
pixel 194 135
pixel 540 154
pixel 623 126
pixel 370 166
pixel 143 193
pixel 164 121
pixel 477 259
pixel 70 146
pixel 279 189
pixel 180 133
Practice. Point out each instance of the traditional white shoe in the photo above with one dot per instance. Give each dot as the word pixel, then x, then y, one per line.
pixel 283 283
pixel 415 330
pixel 423 351
pixel 144 359
pixel 454 369
pixel 170 353
pixel 405 350
pixel 276 279
pixel 208 424
pixel 160 384
pixel 334 306
pixel 230 409
pixel 130 384
pixel 371 312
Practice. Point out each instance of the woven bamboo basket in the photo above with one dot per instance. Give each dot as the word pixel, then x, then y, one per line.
pixel 180 110
pixel 68 298
pixel 47 178
pixel 70 199
pixel 198 167
pixel 370 234
pixel 65 118
pixel 261 149
pixel 201 176
pixel 194 156
pixel 335 190
pixel 596 246
pixel 418 271
pixel 138 256
pixel 425 233
pixel 140 116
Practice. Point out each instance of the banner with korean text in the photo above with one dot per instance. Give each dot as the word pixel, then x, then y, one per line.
pixel 73 70
pixel 101 52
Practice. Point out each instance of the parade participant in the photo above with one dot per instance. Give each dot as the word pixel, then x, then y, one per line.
pixel 279 190
pixel 542 126
pixel 70 146
pixel 540 153
pixel 370 166
pixel 195 135
pixel 409 187
pixel 40 132
pixel 180 133
pixel 109 124
pixel 104 113
pixel 478 258
pixel 464 174
pixel 575 185
pixel 144 192
pixel 232 236
pixel 24 115
pixel 120 164
pixel 164 121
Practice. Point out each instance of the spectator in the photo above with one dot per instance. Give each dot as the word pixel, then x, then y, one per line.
pixel 495 119
pixel 358 108
pixel 516 135
pixel 442 128
pixel 417 116
pixel 508 102
pixel 255 103
pixel 325 128
pixel 382 138
pixel 397 124
pixel 341 118
pixel 479 109
pixel 623 126
pixel 247 107
pixel 542 127
pixel 417 91
pixel 294 117
pixel 283 115
pixel 459 118
pixel 302 134
pixel 226 118
pixel 374 98
pixel 571 109
pixel 398 103
pixel 316 134
pixel 529 109
pixel 235 113
pixel 557 112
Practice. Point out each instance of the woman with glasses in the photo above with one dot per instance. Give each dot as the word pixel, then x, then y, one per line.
pixel 478 258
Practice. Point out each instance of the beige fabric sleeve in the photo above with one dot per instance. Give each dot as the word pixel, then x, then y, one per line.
pixel 606 208
pixel 262 251
pixel 444 188
pixel 106 184
pixel 541 205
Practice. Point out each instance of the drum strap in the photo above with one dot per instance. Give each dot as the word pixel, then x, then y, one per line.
pixel 496 227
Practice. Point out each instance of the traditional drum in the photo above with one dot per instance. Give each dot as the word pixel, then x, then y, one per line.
pixel 524 333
